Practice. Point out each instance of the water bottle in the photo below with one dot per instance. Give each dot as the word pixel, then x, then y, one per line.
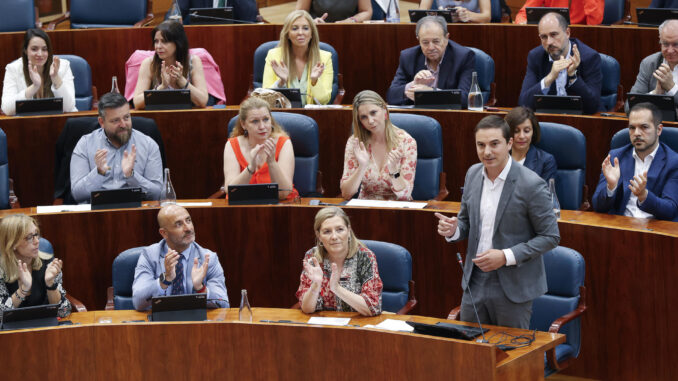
pixel 245 313
pixel 114 85
pixel 554 197
pixel 167 195
pixel 475 96
pixel 393 12
pixel 175 13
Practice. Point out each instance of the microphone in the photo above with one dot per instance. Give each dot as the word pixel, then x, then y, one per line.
pixel 468 286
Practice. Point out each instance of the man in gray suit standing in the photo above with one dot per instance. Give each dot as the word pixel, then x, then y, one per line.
pixel 507 215
pixel 658 73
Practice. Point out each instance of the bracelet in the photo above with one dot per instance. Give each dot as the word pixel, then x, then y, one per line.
pixel 54 286
pixel 22 298
pixel 248 169
pixel 202 290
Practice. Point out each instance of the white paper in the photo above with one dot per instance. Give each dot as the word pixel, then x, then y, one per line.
pixel 63 208
pixel 324 106
pixel 328 320
pixel 387 204
pixel 208 203
pixel 395 325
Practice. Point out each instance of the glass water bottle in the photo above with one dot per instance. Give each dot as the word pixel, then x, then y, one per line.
pixel 245 313
pixel 475 96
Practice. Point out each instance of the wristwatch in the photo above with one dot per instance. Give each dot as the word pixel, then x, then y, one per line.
pixel 163 281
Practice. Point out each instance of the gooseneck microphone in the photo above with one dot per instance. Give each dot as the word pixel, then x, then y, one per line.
pixel 468 286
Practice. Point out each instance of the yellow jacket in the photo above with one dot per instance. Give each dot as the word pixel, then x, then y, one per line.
pixel 322 91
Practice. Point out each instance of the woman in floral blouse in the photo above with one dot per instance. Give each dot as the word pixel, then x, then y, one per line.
pixel 380 159
pixel 340 273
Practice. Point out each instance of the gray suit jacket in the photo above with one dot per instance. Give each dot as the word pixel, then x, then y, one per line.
pixel 525 223
pixel 645 82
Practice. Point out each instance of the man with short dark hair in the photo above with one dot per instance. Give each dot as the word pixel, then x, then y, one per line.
pixel 507 215
pixel 640 179
pixel 561 66
pixel 437 63
pixel 115 156
pixel 177 265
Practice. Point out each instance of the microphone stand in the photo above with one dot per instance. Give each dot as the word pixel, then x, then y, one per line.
pixel 468 286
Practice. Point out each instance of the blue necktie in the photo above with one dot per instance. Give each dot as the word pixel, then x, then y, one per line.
pixel 178 282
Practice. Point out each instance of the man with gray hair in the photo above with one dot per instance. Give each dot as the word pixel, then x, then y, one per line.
pixel 437 63
pixel 115 156
pixel 658 73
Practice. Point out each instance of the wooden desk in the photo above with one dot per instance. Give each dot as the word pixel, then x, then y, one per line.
pixel 194 144
pixel 368 53
pixel 227 349
pixel 630 268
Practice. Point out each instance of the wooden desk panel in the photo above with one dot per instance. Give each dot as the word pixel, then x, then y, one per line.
pixel 368 54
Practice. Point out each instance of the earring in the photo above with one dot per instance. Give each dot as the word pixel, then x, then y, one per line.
pixel 245 133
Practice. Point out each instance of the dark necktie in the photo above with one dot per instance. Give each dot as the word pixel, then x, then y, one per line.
pixel 178 282
pixel 222 3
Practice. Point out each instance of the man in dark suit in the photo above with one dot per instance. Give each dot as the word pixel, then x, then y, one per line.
pixel 244 10
pixel 641 178
pixel 507 215
pixel 437 63
pixel 561 66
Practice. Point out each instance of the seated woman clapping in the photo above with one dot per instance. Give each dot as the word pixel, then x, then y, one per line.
pixel 380 159
pixel 28 277
pixel 339 273
pixel 259 151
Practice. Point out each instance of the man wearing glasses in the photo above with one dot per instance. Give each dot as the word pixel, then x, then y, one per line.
pixel 437 63
pixel 658 73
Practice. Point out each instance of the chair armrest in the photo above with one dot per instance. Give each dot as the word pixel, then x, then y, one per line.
pixel 62 18
pixel 95 98
pixel 221 193
pixel 558 323
pixel 319 184
pixel 340 91
pixel 13 199
pixel 76 304
pixel 58 201
pixel 454 313
pixel 149 16
pixel 585 204
pixel 110 305
pixel 38 23
pixel 493 95
pixel 411 301
pixel 296 306
pixel 627 11
pixel 619 106
pixel 442 190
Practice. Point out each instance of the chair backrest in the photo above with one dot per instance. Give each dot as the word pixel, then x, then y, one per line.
pixel 495 15
pixel 565 272
pixel 669 137
pixel 17 15
pixel 82 74
pixel 395 270
pixel 610 70
pixel 303 132
pixel 73 130
pixel 428 134
pixel 123 277
pixel 260 62
pixel 568 145
pixel 4 172
pixel 485 69
pixel 613 12
pixel 106 14
pixel 45 246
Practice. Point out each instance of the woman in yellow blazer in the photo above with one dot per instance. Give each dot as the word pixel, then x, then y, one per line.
pixel 298 62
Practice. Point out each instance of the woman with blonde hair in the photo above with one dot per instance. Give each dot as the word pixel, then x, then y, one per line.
pixel 298 62
pixel 380 159
pixel 259 151
pixel 339 273
pixel 28 277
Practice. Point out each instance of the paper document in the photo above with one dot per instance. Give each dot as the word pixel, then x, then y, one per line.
pixel 208 203
pixel 387 204
pixel 392 325
pixel 63 208
pixel 328 320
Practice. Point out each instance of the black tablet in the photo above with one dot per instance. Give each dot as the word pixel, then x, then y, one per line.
pixel 42 106
pixel 438 99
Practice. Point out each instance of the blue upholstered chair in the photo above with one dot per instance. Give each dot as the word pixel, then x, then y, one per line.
pixel 610 70
pixel 18 15
pixel 395 271
pixel 107 14
pixel 496 12
pixel 559 310
pixel 669 137
pixel 614 12
pixel 85 93
pixel 303 132
pixel 568 145
pixel 76 306
pixel 120 295
pixel 4 172
pixel 429 179
pixel 485 70
pixel 260 62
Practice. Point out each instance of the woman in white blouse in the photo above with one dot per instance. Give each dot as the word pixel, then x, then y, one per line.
pixel 37 74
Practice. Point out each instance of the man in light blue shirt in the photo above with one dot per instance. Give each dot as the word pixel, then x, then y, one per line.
pixel 115 156
pixel 177 265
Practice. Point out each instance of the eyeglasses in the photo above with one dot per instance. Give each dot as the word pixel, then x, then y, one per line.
pixel 29 238
pixel 666 44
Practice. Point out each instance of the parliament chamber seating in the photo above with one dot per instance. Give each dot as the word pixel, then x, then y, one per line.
pixel 18 15
pixel 395 270
pixel 610 91
pixel 86 14
pixel 485 70
pixel 4 172
pixel 85 93
pixel 76 306
pixel 119 296
pixel 669 137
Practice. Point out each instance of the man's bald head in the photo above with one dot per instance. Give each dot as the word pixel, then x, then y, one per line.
pixel 176 227
pixel 167 212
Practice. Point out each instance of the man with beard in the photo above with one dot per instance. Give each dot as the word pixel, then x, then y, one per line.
pixel 641 178
pixel 561 66
pixel 177 265
pixel 115 156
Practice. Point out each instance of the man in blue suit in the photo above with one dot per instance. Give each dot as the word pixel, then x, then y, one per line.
pixel 641 178
pixel 561 66
pixel 244 10
pixel 437 63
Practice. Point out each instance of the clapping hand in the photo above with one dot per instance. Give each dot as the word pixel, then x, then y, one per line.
pixel 317 71
pixel 664 77
pixel 127 163
pixel 393 161
pixel 165 76
pixel 25 277
pixel 446 225
pixel 263 153
pixel 198 272
pixel 321 19
pixel 314 271
pixel 177 75
pixel 34 74
pixel 360 153
pixel 558 66
pixel 334 278
pixel 463 14
pixel 575 60
pixel 53 269
pixel 100 161
pixel 54 72
pixel 171 260
pixel 280 70
pixel 638 184
pixel 611 172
